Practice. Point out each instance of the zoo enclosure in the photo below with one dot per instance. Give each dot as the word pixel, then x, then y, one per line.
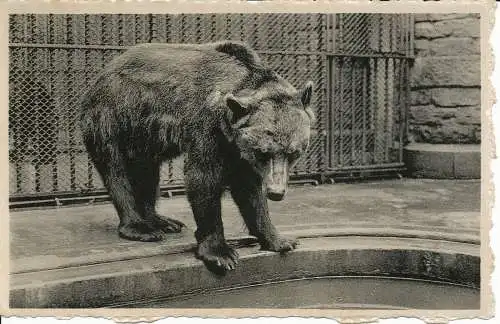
pixel 360 65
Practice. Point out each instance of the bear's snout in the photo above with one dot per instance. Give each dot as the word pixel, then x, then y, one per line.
pixel 276 193
pixel 277 178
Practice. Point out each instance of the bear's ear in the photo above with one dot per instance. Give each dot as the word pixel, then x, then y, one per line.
pixel 237 106
pixel 305 96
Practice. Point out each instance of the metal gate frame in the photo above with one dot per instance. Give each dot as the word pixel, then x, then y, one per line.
pixel 357 129
pixel 387 53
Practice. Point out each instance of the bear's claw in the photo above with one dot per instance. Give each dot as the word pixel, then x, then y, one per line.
pixel 167 225
pixel 281 245
pixel 140 232
pixel 219 258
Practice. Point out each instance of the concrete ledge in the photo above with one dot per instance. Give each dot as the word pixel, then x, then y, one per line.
pixel 129 282
pixel 397 228
pixel 438 161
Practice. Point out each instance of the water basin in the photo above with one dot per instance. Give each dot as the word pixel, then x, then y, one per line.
pixel 356 292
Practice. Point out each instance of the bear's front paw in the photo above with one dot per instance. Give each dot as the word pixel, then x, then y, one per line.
pixel 280 244
pixel 218 257
pixel 140 232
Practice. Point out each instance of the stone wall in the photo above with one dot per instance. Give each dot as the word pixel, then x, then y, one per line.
pixel 446 94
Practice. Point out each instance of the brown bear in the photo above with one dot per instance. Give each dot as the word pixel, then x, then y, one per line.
pixel 239 125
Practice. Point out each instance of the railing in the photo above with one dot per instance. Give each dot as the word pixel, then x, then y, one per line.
pixel 360 64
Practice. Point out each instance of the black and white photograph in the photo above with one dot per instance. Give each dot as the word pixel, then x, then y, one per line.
pixel 247 160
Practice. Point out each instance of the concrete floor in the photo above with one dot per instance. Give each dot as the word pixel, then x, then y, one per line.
pixel 84 235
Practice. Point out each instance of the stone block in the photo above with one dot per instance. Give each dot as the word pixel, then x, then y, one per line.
pixel 443 161
pixel 424 164
pixel 421 115
pixel 451 132
pixel 438 17
pixel 468 115
pixel 467 27
pixel 445 132
pixel 430 115
pixel 448 46
pixel 468 163
pixel 456 97
pixel 420 97
pixel 447 71
pixel 421 47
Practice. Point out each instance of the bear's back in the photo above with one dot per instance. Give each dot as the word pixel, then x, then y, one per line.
pixel 185 57
pixel 237 50
pixel 222 65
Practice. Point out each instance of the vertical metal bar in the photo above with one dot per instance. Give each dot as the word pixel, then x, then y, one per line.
pixel 408 73
pixel 353 109
pixel 179 37
pixel 407 35
pixel 90 167
pixel 103 38
pixel 136 29
pixel 12 77
pixel 152 28
pixel 412 34
pixel 341 112
pixel 333 32
pixel 120 22
pixel 407 97
pixel 213 27
pixel 228 26
pixel 19 178
pixel 374 109
pixel 395 86
pixel 37 138
pixel 243 24
pixel 329 84
pixel 394 30
pixel 380 32
pixel 13 83
pixel 330 111
pixel 390 32
pixel 28 66
pixel 401 108
pixel 18 154
pixel 386 109
pixel 255 29
pixel 364 94
pixel 308 63
pixel 402 30
pixel 71 128
pixel 49 113
pixel 322 75
pixel 197 28
pixel 52 92
pixel 341 32
pixel 168 28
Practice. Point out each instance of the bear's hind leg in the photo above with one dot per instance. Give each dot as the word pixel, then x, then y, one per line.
pixel 204 193
pixel 249 196
pixel 117 180
pixel 146 179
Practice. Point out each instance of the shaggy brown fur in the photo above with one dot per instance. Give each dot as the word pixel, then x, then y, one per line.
pixel 239 124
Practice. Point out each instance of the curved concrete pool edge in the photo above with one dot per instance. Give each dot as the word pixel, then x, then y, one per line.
pixel 32 264
pixel 122 283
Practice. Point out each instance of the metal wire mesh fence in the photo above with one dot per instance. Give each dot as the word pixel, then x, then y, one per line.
pixel 359 63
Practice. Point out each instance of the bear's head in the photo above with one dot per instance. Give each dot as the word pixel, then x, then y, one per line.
pixel 272 127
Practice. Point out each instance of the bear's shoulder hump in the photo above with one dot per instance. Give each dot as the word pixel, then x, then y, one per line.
pixel 241 51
